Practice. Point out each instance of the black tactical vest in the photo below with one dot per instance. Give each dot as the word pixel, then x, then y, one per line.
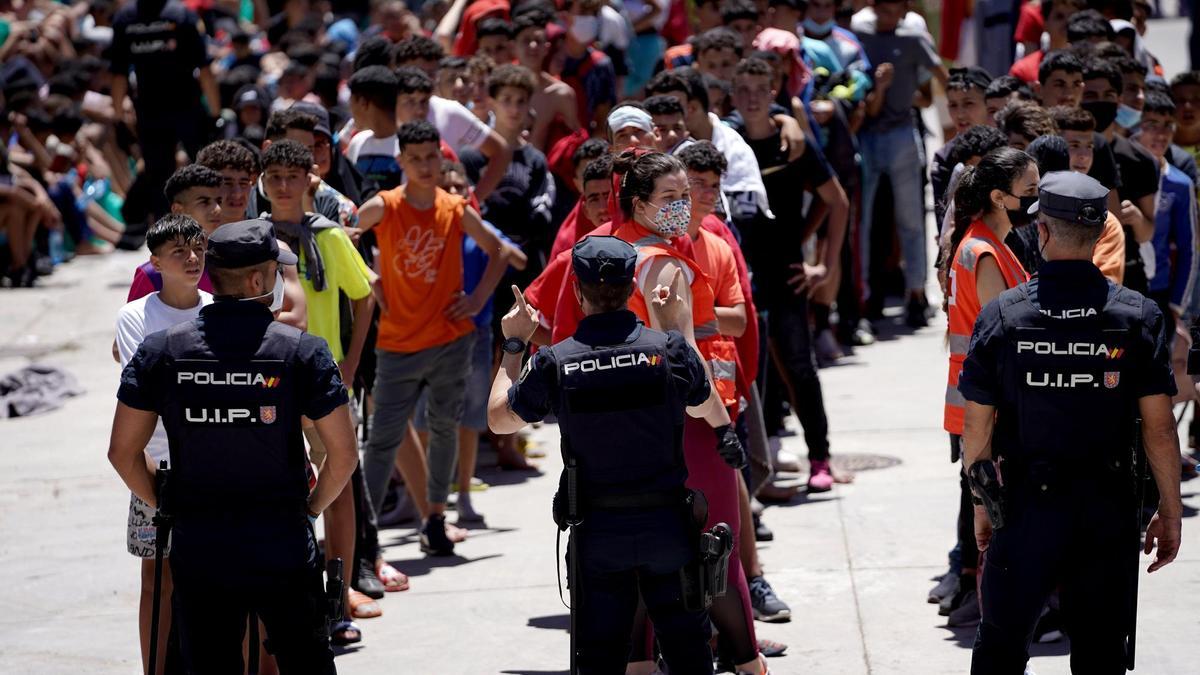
pixel 1068 378
pixel 620 417
pixel 239 473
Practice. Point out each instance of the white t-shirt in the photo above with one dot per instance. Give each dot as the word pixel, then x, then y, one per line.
pixel 458 127
pixel 375 158
pixel 135 321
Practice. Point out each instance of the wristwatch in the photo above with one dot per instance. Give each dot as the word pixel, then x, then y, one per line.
pixel 513 346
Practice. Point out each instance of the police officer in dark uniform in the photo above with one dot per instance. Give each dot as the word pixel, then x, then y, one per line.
pixel 620 391
pixel 1059 370
pixel 231 387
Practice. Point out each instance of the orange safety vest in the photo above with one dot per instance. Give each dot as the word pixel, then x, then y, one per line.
pixel 718 350
pixel 963 305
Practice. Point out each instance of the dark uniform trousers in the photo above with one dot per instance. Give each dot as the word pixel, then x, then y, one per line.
pixel 212 624
pixel 622 555
pixel 1079 534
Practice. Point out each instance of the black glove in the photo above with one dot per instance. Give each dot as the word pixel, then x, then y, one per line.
pixel 730 447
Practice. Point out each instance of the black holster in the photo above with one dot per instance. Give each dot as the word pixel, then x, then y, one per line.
pixel 707 578
pixel 335 588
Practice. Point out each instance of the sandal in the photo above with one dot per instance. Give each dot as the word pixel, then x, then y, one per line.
pixel 363 607
pixel 456 534
pixel 771 648
pixel 393 580
pixel 345 633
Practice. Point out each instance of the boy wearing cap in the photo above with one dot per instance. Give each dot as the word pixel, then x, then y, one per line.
pixel 630 126
pixel 425 328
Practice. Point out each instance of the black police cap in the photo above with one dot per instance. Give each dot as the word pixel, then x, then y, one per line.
pixel 604 260
pixel 1072 196
pixel 245 243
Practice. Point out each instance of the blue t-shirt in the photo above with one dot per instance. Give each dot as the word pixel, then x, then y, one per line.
pixel 475 261
pixel 1174 237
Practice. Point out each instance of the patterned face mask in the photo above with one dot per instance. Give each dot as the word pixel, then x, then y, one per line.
pixel 672 220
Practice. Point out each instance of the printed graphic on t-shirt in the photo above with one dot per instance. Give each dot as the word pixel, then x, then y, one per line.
pixel 419 256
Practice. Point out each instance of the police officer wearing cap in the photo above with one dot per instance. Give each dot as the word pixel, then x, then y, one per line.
pixel 620 391
pixel 231 387
pixel 1058 371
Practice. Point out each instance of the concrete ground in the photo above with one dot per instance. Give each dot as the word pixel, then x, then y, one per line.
pixel 854 564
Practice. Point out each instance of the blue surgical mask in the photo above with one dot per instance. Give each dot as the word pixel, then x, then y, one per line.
pixel 1128 117
pixel 813 29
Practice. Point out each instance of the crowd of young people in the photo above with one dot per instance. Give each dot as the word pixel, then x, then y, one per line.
pixel 418 157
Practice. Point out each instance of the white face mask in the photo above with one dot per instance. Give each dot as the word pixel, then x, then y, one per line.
pixel 585 28
pixel 276 294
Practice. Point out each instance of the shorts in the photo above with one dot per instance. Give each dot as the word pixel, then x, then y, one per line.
pixel 479 386
pixel 141 533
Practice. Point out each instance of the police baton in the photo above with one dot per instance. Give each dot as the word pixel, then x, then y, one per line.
pixel 162 531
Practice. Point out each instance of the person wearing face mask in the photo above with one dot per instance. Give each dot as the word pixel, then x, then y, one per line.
pixel 231 387
pixel 1138 169
pixel 989 200
pixel 588 71
pixel 655 203
pixel 1058 372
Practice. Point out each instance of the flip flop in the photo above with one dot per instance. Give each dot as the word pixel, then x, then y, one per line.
pixel 363 607
pixel 456 534
pixel 338 637
pixel 393 579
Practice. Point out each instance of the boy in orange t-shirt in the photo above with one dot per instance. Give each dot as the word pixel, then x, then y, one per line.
pixel 425 327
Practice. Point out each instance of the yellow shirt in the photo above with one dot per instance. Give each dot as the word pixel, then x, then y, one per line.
pixel 346 271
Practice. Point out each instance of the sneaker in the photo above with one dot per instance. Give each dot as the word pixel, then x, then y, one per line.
pixel 433 537
pixel 827 348
pixel 366 582
pixel 863 335
pixel 786 461
pixel 820 478
pixel 945 586
pixel 767 606
pixel 761 531
pixel 967 612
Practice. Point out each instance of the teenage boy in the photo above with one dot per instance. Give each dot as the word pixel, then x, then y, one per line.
pixel 425 329
pixel 554 100
pixel 669 124
pixel 630 126
pixel 495 39
pixel 1060 82
pixel 577 222
pixel 889 146
pixel 965 92
pixel 520 205
pixel 294 124
pixel 329 266
pixel 457 127
pixel 177 245
pixel 239 167
pixel 474 417
pixel 373 150
pixel 1175 232
pixel 1185 92
pixel 1055 14
pixel 193 191
pixel 587 70
pixel 775 252
pixel 1002 91
pixel 718 52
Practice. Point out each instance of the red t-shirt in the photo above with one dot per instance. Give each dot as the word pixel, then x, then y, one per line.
pixel 1030 25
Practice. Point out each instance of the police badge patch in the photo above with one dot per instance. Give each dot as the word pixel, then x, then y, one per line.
pixel 266 414
pixel 1111 380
